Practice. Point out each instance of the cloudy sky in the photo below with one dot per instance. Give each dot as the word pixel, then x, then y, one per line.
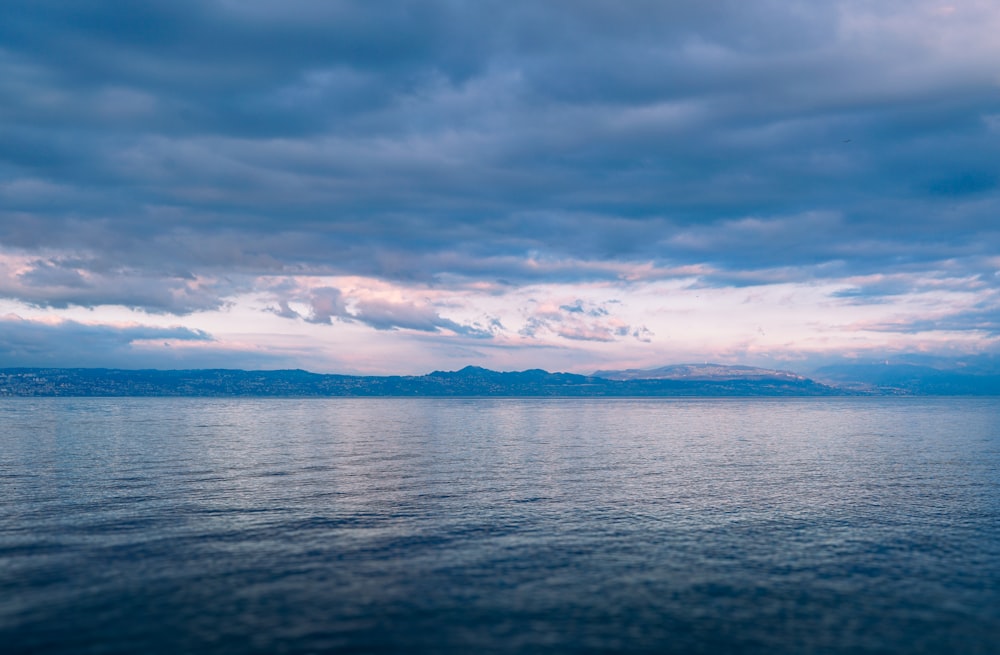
pixel 398 187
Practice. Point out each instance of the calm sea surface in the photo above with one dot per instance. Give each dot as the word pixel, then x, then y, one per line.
pixel 499 526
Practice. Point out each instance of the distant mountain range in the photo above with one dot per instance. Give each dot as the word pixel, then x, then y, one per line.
pixel 688 380
pixel 703 372
pixel 469 381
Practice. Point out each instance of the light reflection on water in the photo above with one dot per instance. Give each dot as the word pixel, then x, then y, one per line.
pixel 507 525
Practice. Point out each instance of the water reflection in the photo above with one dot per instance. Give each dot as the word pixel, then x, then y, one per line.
pixel 390 525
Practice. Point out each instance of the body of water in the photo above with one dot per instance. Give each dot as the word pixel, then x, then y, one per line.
pixel 499 526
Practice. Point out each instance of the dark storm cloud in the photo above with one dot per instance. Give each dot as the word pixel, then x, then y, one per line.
pixel 522 141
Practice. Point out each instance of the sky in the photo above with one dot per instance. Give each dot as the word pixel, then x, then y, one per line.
pixel 400 187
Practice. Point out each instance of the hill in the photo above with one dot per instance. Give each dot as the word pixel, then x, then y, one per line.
pixel 469 381
pixel 702 372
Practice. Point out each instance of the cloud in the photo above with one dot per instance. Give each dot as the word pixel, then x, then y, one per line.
pixel 384 315
pixel 982 318
pixel 61 282
pixel 580 321
pixel 174 157
pixel 386 138
pixel 879 288
pixel 327 305
pixel 33 343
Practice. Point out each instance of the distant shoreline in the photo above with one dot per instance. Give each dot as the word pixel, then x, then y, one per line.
pixel 470 382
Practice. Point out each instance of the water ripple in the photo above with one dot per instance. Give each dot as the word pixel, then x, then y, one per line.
pixel 500 526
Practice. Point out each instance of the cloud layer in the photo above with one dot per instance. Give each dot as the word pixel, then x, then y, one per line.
pixel 174 157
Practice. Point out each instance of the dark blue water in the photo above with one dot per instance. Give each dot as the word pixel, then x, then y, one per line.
pixel 499 526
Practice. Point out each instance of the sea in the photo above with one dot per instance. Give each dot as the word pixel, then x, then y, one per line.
pixel 502 525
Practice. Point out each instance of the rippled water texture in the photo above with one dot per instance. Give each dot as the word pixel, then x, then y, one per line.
pixel 499 526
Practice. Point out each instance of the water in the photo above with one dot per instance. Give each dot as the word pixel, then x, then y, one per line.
pixel 499 526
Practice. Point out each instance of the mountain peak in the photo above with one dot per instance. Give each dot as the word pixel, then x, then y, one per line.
pixel 466 371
